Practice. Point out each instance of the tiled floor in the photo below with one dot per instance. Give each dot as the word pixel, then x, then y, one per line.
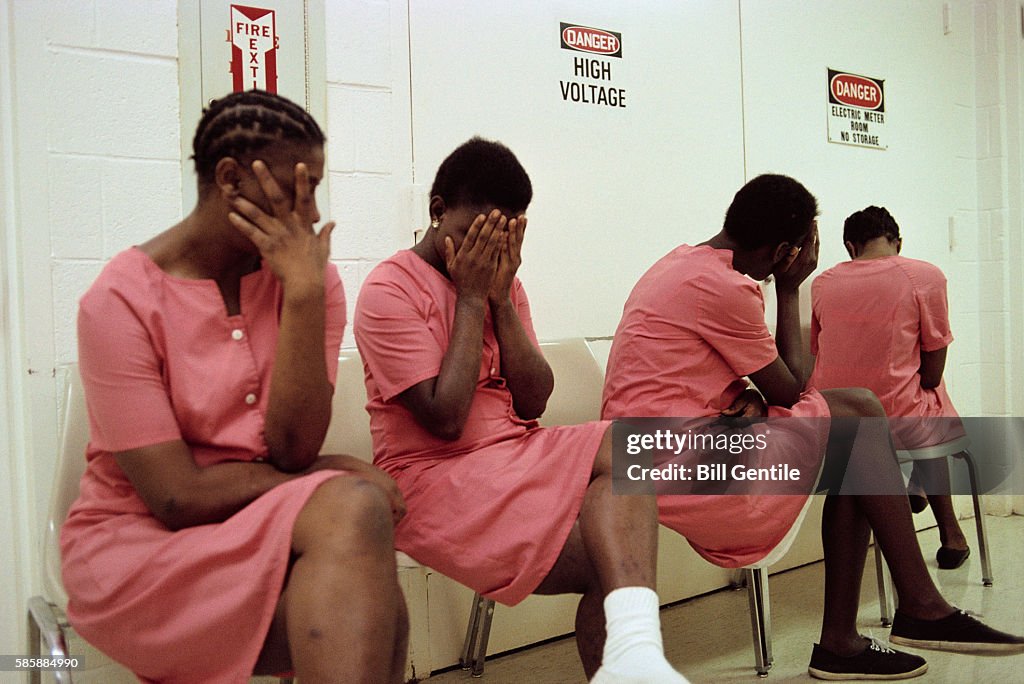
pixel 708 638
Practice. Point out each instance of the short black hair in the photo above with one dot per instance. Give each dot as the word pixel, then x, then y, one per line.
pixel 241 124
pixel 483 172
pixel 870 223
pixel 768 210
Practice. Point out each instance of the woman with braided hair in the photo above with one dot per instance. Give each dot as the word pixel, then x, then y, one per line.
pixel 209 540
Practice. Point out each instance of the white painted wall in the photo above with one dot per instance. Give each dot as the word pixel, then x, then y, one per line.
pixel 926 177
pixel 14 545
pixel 614 188
pixel 369 153
pixel 91 162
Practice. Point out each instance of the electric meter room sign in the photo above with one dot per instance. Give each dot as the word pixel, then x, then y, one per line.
pixel 856 110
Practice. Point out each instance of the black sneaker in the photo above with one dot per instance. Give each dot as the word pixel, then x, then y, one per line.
pixel 958 632
pixel 877 661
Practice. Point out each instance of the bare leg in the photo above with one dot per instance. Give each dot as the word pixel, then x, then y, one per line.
pixel 620 533
pixel 573 574
pixel 274 657
pixel 844 538
pixel 888 516
pixel 614 544
pixel 934 475
pixel 401 647
pixel 341 603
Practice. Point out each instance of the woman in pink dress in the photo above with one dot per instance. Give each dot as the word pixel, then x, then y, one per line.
pixel 455 381
pixel 881 321
pixel 692 328
pixel 209 540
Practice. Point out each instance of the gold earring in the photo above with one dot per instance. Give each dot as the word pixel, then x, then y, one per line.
pixel 434 223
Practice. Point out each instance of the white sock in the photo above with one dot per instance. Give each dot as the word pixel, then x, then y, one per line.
pixel 633 652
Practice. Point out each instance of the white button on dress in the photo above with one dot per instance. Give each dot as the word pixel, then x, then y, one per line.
pixel 250 399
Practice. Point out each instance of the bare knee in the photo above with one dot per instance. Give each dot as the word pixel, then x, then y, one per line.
pixel 853 402
pixel 346 510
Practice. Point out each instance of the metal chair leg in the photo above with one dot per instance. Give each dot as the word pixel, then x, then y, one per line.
pixel 886 592
pixel 471 629
pixel 979 520
pixel 474 650
pixel 760 619
pixel 46 628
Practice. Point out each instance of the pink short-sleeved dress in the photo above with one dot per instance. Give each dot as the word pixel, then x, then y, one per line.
pixel 872 318
pixel 494 508
pixel 161 360
pixel 690 330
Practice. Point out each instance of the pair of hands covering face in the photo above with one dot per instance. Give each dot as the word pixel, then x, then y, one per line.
pixel 488 258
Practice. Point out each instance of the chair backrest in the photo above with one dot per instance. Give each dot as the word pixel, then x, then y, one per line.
pixel 70 466
pixel 579 381
pixel 349 432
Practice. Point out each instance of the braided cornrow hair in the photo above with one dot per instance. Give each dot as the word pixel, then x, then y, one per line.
pixel 870 223
pixel 243 123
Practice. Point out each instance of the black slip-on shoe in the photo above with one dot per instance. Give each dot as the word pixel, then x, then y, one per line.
pixel 876 661
pixel 917 502
pixel 958 632
pixel 951 559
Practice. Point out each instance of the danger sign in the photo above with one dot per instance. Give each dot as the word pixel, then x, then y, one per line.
pixel 254 43
pixel 591 81
pixel 856 110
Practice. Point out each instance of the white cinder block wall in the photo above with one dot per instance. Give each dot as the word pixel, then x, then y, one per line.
pixel 90 164
pixel 995 311
pixel 369 153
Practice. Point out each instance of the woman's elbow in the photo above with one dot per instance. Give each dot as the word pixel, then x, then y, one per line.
pixel 440 420
pixel 449 431
pixel 292 452
pixel 176 513
pixel 531 411
pixel 293 458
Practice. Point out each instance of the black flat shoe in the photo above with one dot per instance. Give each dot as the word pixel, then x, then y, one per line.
pixel 951 559
pixel 957 633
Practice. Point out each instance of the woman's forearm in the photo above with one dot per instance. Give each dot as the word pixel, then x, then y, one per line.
pixel 299 407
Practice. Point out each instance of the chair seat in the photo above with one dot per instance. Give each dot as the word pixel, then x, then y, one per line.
pixel 935 451
pixel 406 561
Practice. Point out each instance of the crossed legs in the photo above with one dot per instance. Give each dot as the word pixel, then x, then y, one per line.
pixel 341 616
pixel 614 544
pixel 848 521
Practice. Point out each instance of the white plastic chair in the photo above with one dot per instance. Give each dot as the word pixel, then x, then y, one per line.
pixel 579 383
pixel 576 398
pixel 49 632
pixel 48 626
pixel 886 593
pixel 349 431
